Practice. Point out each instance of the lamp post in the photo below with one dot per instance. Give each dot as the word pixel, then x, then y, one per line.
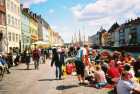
pixel 1 37
pixel 19 46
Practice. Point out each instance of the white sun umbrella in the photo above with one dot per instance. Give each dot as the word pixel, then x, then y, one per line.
pixel 40 43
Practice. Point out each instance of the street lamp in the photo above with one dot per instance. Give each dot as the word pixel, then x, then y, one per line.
pixel 20 46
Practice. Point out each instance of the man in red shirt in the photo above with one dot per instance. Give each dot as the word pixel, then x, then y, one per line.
pixel 36 56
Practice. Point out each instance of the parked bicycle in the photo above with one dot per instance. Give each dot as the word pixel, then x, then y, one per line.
pixel 2 71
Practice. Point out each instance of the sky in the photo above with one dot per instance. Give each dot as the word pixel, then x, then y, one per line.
pixel 68 17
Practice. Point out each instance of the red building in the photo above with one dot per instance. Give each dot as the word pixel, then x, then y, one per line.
pixel 2 26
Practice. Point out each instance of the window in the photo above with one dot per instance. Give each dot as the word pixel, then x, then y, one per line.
pixel 2 18
pixel 18 10
pixel 8 4
pixel 9 19
pixel 9 34
pixel 16 22
pixel 11 7
pixel 14 8
pixel 12 20
pixel 16 37
pixel 13 36
pixel 2 2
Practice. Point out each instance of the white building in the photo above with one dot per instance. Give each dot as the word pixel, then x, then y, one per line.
pixel 13 23
pixel 45 31
pixel 114 38
pixel 93 40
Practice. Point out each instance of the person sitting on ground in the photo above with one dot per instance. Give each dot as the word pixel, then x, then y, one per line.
pixel 113 73
pixel 126 86
pixel 137 67
pixel 128 68
pixel 100 78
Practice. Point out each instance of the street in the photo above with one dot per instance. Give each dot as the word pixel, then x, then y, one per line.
pixel 42 81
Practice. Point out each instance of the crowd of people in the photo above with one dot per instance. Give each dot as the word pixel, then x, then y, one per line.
pixel 102 68
pixel 8 60
pixel 92 66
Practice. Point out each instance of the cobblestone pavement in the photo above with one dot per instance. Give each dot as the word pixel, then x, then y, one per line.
pixel 41 81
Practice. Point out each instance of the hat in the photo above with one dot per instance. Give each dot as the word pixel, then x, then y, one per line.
pixel 119 62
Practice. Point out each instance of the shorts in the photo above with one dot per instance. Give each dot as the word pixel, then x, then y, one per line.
pixel 80 68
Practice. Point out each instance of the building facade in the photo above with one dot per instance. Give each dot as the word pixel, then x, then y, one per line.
pixel 93 40
pixel 116 37
pixel 3 38
pixel 13 24
pixel 104 39
pixel 33 27
pixel 40 25
pixel 50 38
pixel 25 30
pixel 45 31
pixel 43 27
pixel 132 32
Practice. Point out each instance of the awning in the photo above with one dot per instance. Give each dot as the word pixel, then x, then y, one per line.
pixel 40 43
pixel 34 37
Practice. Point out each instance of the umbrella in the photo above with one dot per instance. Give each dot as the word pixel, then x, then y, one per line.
pixel 40 43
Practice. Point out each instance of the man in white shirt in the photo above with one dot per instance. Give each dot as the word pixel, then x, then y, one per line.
pixel 125 85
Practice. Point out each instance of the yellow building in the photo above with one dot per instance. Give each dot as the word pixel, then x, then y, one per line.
pixel 33 27
pixel 104 38
pixel 13 24
pixel 50 37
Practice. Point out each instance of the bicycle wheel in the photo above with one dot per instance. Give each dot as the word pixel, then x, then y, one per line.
pixel 1 73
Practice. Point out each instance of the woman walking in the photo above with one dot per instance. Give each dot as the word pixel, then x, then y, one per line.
pixel 27 58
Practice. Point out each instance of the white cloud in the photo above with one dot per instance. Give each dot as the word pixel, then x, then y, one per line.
pixel 77 10
pixel 53 27
pixel 51 11
pixel 106 12
pixel 27 3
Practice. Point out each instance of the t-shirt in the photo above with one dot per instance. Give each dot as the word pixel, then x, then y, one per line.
pixel 36 54
pixel 86 59
pixel 79 55
pixel 84 51
pixel 124 87
pixel 113 72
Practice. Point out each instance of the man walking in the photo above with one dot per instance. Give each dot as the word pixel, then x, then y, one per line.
pixel 36 56
pixel 58 59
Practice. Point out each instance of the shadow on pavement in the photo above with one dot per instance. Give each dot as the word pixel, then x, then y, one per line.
pixel 22 69
pixel 46 79
pixel 2 90
pixel 63 87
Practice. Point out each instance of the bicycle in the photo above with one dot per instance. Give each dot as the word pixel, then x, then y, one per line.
pixel 2 71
